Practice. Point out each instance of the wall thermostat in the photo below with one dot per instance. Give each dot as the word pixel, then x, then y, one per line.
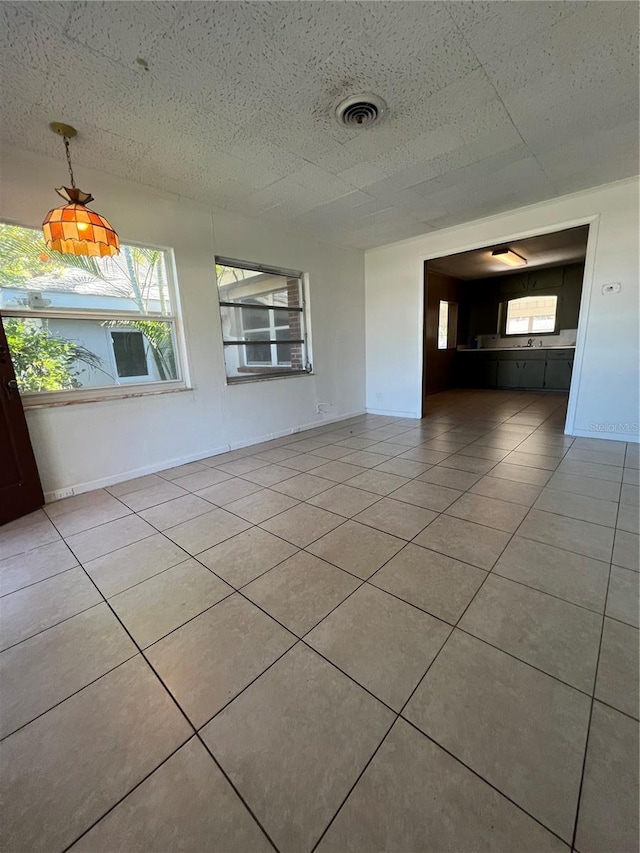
pixel 614 287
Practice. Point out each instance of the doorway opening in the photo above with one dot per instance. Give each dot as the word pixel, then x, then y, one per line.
pixel 504 316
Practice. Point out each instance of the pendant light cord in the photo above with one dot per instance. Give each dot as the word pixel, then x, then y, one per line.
pixel 66 148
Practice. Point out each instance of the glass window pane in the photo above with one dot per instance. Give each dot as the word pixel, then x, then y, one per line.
pixel 238 322
pixel 248 286
pixel 443 325
pixel 531 314
pixel 130 353
pixel 36 279
pixel 59 354
pixel 255 318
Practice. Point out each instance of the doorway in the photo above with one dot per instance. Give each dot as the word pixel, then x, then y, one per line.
pixel 512 315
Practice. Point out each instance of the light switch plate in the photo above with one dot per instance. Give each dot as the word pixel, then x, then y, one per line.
pixel 614 287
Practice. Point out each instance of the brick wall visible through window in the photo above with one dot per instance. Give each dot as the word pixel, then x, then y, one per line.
pixel 263 320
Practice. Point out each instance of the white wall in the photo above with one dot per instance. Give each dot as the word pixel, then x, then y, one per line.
pixel 604 393
pixel 91 444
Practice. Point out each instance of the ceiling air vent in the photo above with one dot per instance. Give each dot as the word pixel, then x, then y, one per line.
pixel 361 110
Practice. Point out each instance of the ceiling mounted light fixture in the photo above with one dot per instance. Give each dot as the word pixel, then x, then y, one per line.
pixel 73 229
pixel 508 257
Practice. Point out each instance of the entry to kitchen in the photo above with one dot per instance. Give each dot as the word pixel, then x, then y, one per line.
pixel 504 316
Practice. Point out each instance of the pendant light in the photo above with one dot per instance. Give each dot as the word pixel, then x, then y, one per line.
pixel 73 229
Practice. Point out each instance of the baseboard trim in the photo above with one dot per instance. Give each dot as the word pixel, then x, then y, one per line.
pixel 392 414
pixel 632 438
pixel 123 476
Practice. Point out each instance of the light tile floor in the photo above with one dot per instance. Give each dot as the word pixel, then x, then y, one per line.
pixel 380 635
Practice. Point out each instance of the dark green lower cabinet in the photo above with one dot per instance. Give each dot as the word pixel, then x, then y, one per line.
pixel 557 374
pixel 512 369
pixel 531 374
pixel 508 374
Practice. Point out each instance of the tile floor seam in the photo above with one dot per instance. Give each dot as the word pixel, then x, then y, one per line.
pixel 586 744
pixel 179 707
pixel 399 715
pixel 35 583
pixel 473 597
pixel 256 677
pixel 395 720
pixel 191 618
pixel 302 638
pixel 617 710
pixel 362 582
pixel 75 692
pixel 156 575
pixel 54 625
pixel 546 592
pixel 351 789
pixel 124 797
pixel 616 618
pixel 481 639
pixel 486 781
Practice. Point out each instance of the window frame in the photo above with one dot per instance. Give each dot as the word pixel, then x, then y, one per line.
pixel 271 310
pixel 99 393
pixel 505 311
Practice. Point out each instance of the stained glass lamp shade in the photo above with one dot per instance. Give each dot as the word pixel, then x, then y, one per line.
pixel 73 229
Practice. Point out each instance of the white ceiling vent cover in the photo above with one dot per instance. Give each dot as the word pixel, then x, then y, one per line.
pixel 361 110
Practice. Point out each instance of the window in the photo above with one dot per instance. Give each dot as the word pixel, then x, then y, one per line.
pixel 130 353
pixel 447 325
pixel 531 314
pixel 443 325
pixel 81 328
pixel 263 320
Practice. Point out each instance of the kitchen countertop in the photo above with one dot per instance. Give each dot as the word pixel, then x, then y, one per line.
pixel 514 349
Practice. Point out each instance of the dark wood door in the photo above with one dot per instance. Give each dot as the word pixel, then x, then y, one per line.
pixel 20 489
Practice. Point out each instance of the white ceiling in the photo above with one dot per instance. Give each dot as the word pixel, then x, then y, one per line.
pixel 491 105
pixel 544 250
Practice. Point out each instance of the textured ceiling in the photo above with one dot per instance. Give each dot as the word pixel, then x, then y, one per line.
pixel 491 105
pixel 561 247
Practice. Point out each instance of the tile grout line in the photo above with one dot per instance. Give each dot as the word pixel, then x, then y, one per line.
pixel 121 799
pixel 181 711
pixel 486 781
pixel 586 743
pixel 344 521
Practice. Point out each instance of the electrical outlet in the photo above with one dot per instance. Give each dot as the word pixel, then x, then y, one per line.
pixel 63 493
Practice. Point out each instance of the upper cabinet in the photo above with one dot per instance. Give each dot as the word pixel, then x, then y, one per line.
pixel 546 280
pixel 513 285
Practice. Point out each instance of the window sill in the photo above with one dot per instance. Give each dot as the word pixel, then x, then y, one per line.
pixel 266 377
pixel 29 402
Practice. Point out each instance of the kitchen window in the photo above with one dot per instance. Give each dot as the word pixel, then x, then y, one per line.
pixel 531 315
pixel 84 328
pixel 262 310
pixel 447 324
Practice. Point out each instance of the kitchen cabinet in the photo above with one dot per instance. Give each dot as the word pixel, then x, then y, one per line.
pixel 545 279
pixel 521 369
pixel 558 370
pixel 514 285
pixel 532 373
pixel 508 374
pixel 532 369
